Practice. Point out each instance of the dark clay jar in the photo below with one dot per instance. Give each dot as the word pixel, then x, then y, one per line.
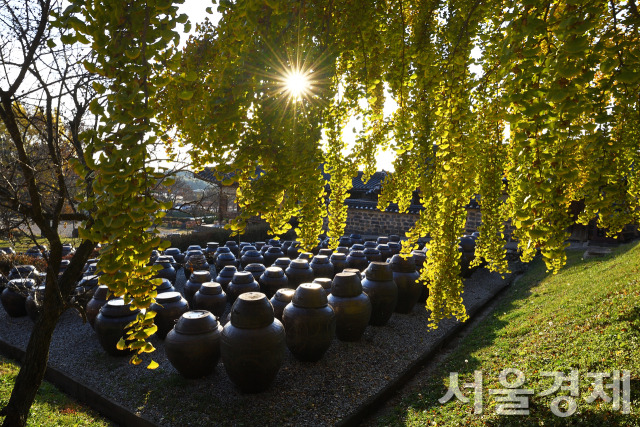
pixel 256 269
pixel 271 280
pixel 169 306
pixel 85 289
pixel 325 283
pixel 299 272
pixel 233 247
pixel 272 254
pixel 225 258
pixel 309 322
pixel 326 252
pixel 196 261
pixel 167 272
pixel 339 261
pixel 94 305
pixel 382 240
pixel 357 259
pixel 419 257
pixel 305 255
pixel 164 286
pixel 355 238
pixel 177 255
pixel 259 245
pixel 193 284
pixel 241 283
pixel 210 251
pixel 245 247
pixel 14 296
pixel 280 300
pixel 251 257
pixel 110 325
pixel 282 262
pixel 345 241
pixel 193 345
pixel 33 303
pixel 405 277
pixel 253 343
pixel 395 248
pixel 342 250
pixel 225 276
pixel 369 244
pixel 378 284
pixel 357 247
pixel 293 250
pixel 210 297
pixel 372 254
pixel 322 267
pixel 351 305
pixel 385 252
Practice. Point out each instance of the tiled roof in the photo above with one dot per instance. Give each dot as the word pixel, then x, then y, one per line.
pixel 208 174
pixel 374 183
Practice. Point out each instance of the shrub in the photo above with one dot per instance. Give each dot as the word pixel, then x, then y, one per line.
pixel 8 261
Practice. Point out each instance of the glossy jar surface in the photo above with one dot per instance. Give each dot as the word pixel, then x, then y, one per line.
pixel 309 322
pixel 253 343
pixel 378 284
pixel 193 345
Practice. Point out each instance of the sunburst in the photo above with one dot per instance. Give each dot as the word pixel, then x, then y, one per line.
pixel 297 83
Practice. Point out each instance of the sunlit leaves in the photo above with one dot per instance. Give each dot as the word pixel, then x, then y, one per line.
pixel 130 42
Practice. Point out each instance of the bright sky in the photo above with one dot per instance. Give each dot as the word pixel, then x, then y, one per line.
pixel 197 13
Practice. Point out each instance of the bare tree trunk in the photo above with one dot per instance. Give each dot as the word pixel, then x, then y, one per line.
pixel 32 369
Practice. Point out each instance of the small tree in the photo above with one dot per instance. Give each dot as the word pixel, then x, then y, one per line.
pixel 44 96
pixel 67 106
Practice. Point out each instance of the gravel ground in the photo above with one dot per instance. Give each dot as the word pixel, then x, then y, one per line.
pixel 319 393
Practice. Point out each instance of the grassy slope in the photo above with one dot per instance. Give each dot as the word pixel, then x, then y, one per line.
pixel 587 317
pixel 51 407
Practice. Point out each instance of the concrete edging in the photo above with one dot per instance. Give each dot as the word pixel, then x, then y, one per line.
pixel 80 392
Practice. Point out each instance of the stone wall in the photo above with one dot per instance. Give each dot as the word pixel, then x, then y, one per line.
pixel 374 222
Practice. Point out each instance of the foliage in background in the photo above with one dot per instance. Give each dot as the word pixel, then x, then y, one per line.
pixel 8 261
pixel 564 78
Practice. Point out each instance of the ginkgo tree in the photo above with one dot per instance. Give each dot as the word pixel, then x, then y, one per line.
pixel 553 112
pixel 559 78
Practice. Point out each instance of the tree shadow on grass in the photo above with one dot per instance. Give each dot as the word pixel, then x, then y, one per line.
pixel 421 405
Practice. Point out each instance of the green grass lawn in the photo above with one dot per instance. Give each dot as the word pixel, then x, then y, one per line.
pixel 586 318
pixel 22 244
pixel 51 407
